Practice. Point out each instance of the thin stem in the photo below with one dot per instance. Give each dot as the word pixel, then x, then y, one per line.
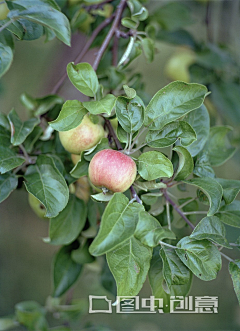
pixel 227 257
pixel 24 152
pixel 165 244
pixel 173 196
pixel 110 34
pixel 137 149
pixel 115 50
pixel 134 195
pixel 234 244
pixel 168 215
pixel 195 212
pixel 4 26
pixel 113 134
pixel 138 135
pixel 177 209
pixel 186 203
pixel 84 51
pixel 130 140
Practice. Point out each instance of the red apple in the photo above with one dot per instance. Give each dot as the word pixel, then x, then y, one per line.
pixel 112 170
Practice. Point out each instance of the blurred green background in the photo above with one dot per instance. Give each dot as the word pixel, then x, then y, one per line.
pixel 25 260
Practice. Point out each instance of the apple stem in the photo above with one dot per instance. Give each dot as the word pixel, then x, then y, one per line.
pixel 134 195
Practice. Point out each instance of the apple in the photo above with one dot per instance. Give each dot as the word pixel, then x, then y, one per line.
pixel 178 64
pixel 112 170
pixel 85 136
pixel 38 208
pixel 3 11
pixel 75 158
pixel 82 189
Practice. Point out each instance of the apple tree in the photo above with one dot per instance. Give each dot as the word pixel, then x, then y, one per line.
pixel 124 177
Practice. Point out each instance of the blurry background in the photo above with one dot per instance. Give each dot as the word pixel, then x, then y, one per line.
pixel 25 260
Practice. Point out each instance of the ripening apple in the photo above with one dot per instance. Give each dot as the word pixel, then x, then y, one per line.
pixel 82 188
pixel 3 11
pixel 178 64
pixel 38 208
pixel 85 136
pixel 112 170
pixel 75 158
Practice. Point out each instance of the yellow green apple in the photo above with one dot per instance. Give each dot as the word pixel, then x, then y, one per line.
pixel 38 208
pixel 3 10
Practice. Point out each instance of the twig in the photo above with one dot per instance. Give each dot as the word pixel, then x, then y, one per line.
pixel 177 209
pixel 195 212
pixel 227 257
pixel 84 51
pixel 134 195
pixel 186 203
pixel 115 50
pixel 165 244
pixel 113 134
pixel 168 215
pixel 110 34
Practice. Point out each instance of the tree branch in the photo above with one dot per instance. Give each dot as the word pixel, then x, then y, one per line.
pixel 84 51
pixel 113 134
pixel 110 34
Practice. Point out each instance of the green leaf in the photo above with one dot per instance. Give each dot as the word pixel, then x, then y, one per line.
pixel 46 183
pixel 149 231
pixel 202 167
pixel 133 50
pixel 200 122
pixel 212 189
pixel 4 122
pixel 234 270
pixel 172 102
pixel 82 255
pixel 7 323
pixel 102 197
pixel 230 214
pixel 118 224
pixel 185 165
pixel 151 198
pixel 152 185
pixel 5 137
pixel 6 58
pixel 174 271
pixel 20 130
pixel 130 92
pixel 65 227
pixel 103 106
pixel 49 17
pixel 148 47
pixel 200 256
pixel 211 228
pixel 40 105
pixel 130 23
pixel 65 271
pixel 8 183
pixel 31 315
pixel 218 147
pixel 32 138
pixel 153 165
pixel 137 10
pixel 83 77
pixel 170 133
pixel 9 160
pixel 80 169
pixel 230 187
pixel 129 264
pixel 130 113
pixel 103 144
pixel 70 117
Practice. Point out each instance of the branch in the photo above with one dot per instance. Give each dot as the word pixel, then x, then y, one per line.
pixel 134 195
pixel 113 134
pixel 110 34
pixel 177 209
pixel 84 51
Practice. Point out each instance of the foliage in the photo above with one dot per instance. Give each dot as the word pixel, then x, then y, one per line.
pixel 168 136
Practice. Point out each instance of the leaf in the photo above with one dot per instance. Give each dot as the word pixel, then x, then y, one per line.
pixel 65 227
pixel 132 52
pixel 80 169
pixel 211 228
pixel 7 323
pixel 148 47
pixel 65 271
pixel 151 198
pixel 129 264
pixel 5 137
pixel 6 58
pixel 212 189
pixel 83 77
pixel 153 165
pixel 32 138
pixel 230 187
pixel 218 146
pixel 174 271
pixel 8 183
pixel 200 122
pixel 172 102
pixel 82 255
pixel 103 144
pixel 170 133
pixel 202 167
pixel 149 231
pixel 20 130
pixel 185 165
pixel 130 113
pixel 103 106
pixel 102 197
pixel 49 17
pixel 234 270
pixel 9 160
pixel 200 256
pixel 146 186
pixel 130 23
pixel 31 314
pixel 46 183
pixel 70 117
pixel 130 92
pixel 118 224
pixel 4 123
pixel 230 214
